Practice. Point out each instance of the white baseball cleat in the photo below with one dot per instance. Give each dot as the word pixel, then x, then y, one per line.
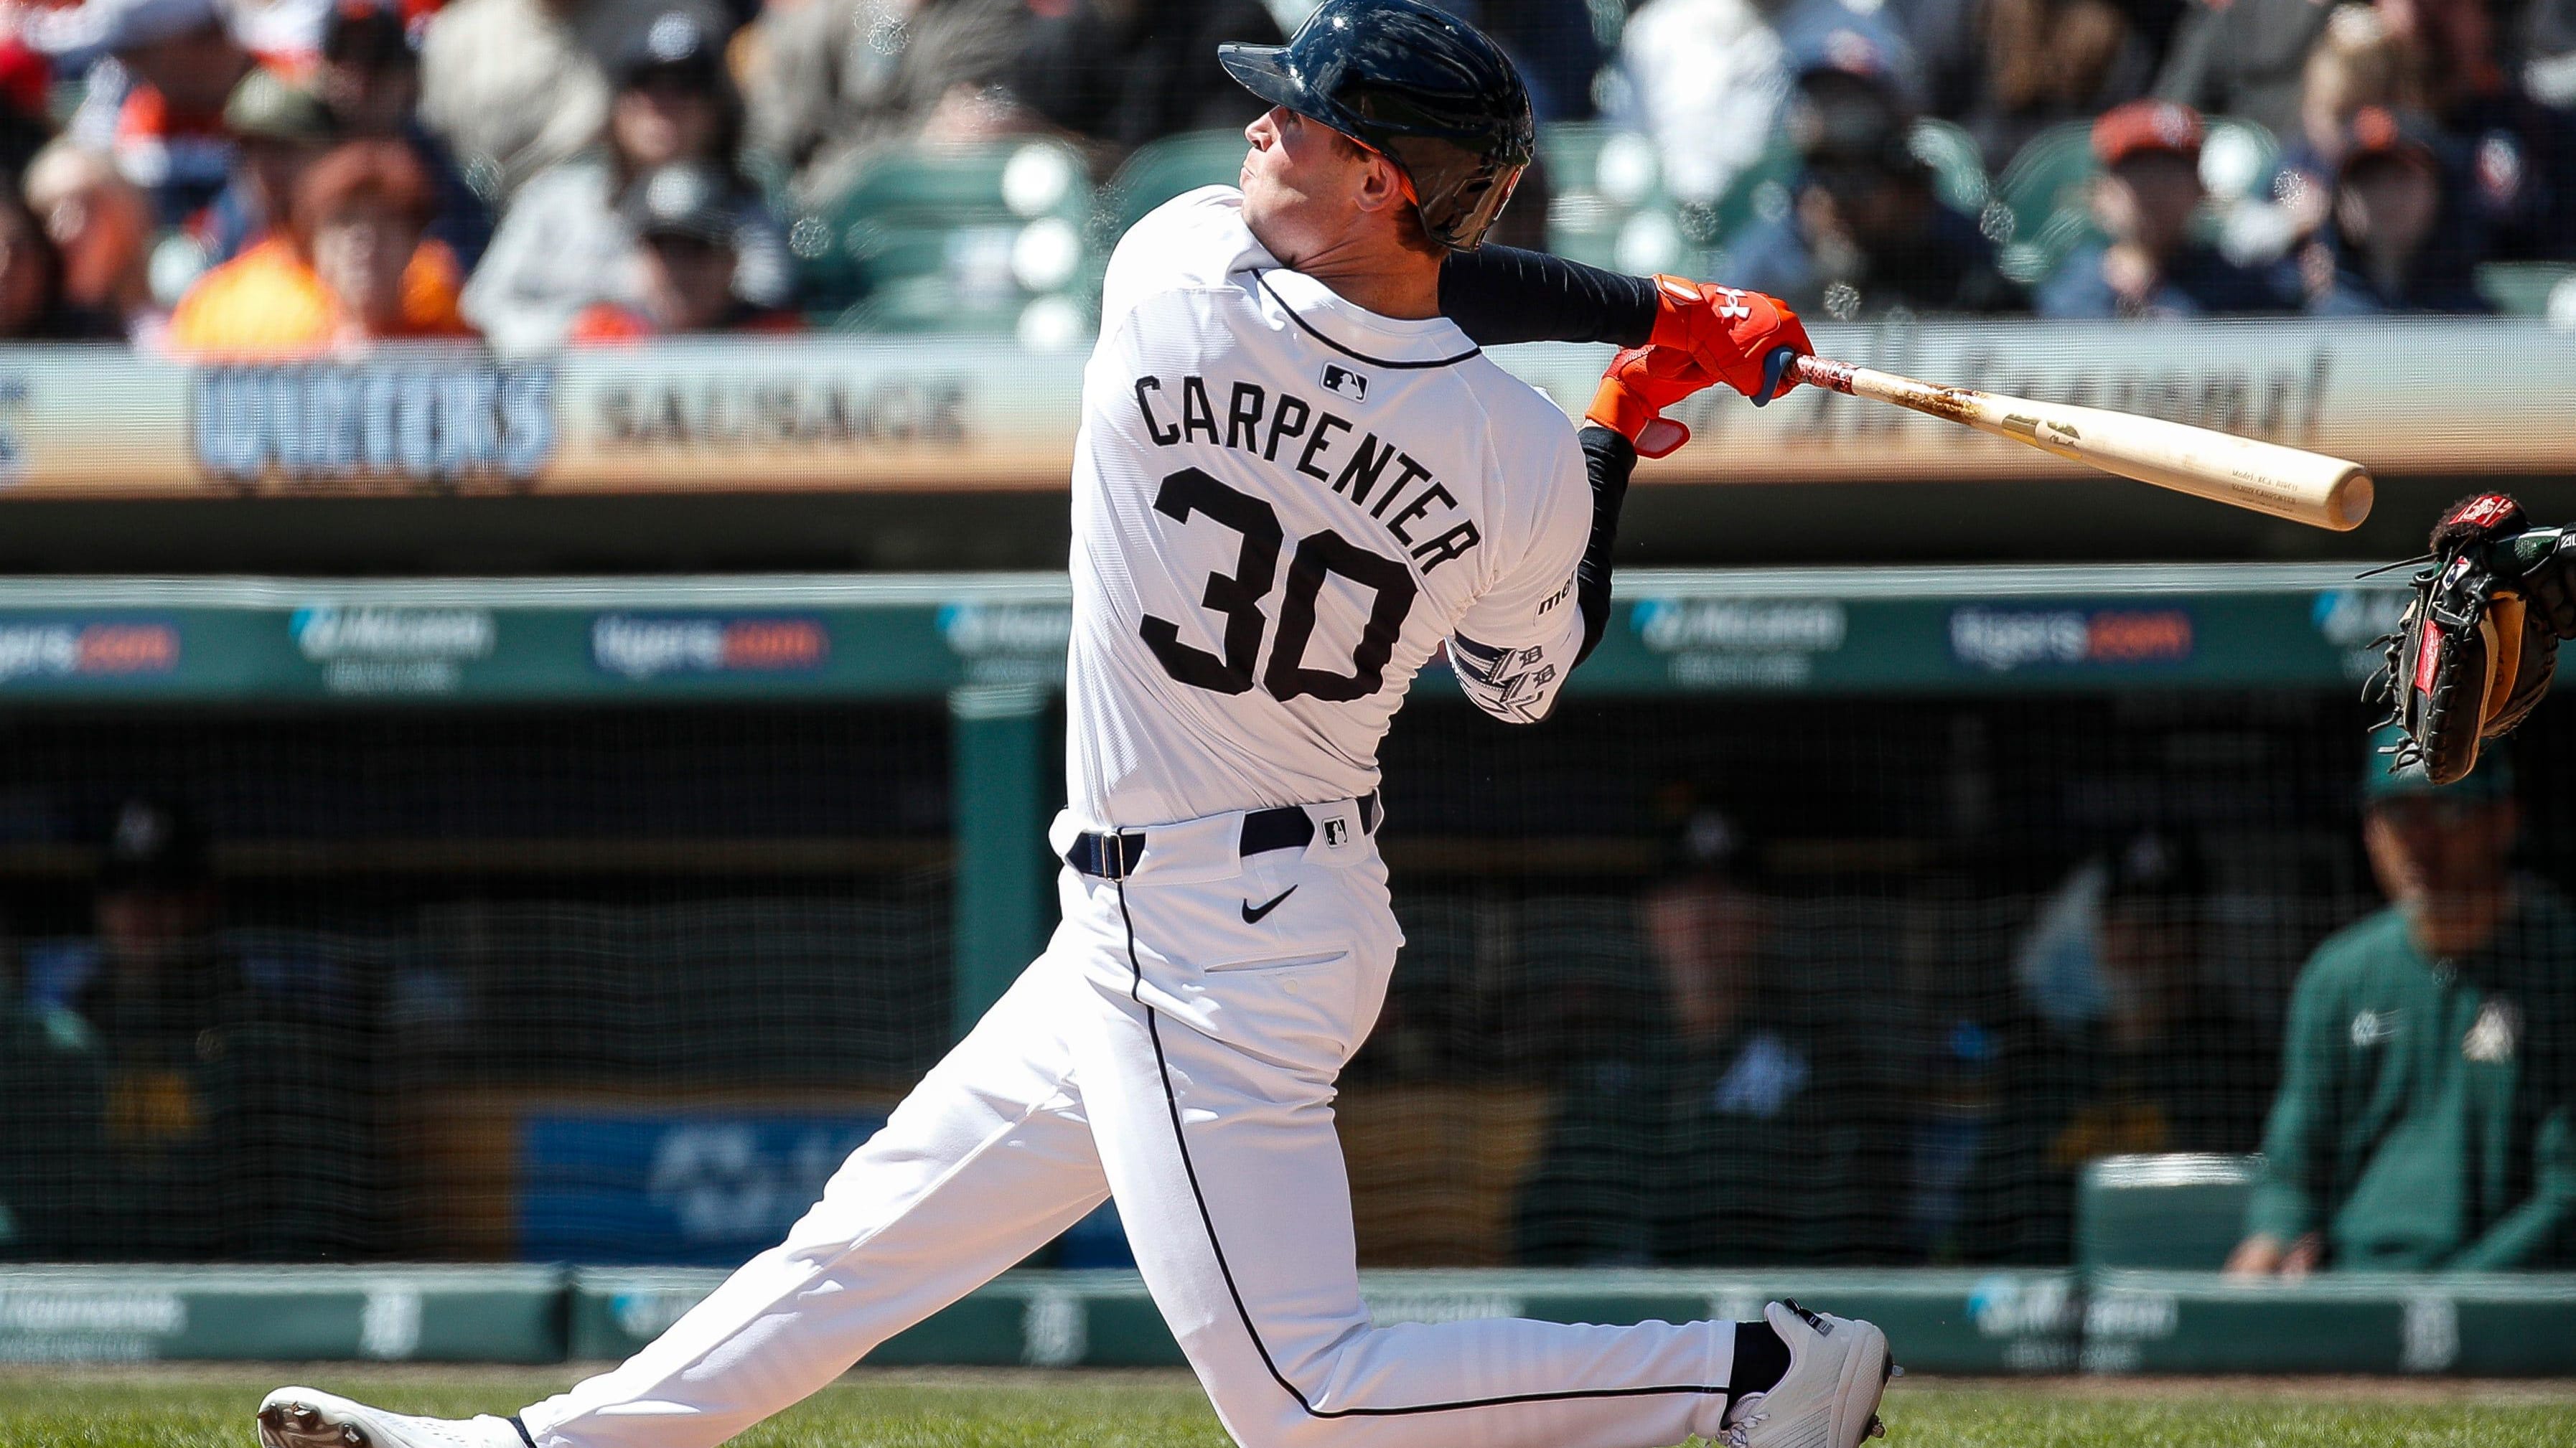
pixel 304 1418
pixel 1829 1397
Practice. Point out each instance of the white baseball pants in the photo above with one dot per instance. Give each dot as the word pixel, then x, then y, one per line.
pixel 1174 1052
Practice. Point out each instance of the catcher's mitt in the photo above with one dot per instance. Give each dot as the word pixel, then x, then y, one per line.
pixel 2479 641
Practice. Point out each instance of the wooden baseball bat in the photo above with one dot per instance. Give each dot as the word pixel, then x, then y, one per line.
pixel 2285 482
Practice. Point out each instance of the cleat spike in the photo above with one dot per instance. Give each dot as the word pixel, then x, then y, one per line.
pixel 350 1435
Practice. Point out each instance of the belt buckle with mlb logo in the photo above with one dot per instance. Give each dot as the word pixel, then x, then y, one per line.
pixel 1337 833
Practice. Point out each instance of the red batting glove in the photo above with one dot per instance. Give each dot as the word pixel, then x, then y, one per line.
pixel 1640 383
pixel 1743 339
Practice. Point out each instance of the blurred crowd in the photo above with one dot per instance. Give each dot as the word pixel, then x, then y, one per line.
pixel 2147 157
pixel 281 177
pixel 250 178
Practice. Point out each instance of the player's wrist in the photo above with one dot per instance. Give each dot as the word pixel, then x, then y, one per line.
pixel 1618 408
pixel 1681 314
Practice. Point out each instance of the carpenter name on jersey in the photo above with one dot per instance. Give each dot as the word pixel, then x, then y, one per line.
pixel 1388 482
pixel 1284 507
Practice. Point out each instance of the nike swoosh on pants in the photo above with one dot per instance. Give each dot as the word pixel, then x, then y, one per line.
pixel 1252 914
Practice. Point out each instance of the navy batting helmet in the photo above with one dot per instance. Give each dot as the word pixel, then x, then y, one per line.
pixel 1426 90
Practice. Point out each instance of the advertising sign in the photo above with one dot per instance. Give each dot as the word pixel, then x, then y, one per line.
pixel 861 414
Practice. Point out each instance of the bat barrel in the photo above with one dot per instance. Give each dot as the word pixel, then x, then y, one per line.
pixel 2286 482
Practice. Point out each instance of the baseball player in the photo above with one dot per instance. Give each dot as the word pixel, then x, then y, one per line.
pixel 1296 481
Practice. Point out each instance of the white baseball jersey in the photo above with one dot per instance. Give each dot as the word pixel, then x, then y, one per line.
pixel 1283 505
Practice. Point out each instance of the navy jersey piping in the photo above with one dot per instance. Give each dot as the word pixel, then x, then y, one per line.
pixel 1310 330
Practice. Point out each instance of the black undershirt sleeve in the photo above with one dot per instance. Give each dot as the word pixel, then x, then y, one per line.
pixel 1502 294
pixel 1608 459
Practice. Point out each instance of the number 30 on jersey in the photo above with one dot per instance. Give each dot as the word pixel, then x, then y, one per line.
pixel 1192 492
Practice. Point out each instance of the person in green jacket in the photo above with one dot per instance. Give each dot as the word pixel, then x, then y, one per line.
pixel 2426 1118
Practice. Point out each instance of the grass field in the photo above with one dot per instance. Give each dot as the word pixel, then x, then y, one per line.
pixel 189 1407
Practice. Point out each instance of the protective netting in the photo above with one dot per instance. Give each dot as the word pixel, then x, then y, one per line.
pixel 1743 981
pixel 456 984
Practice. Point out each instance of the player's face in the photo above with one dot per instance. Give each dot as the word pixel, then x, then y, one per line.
pixel 2443 862
pixel 1305 188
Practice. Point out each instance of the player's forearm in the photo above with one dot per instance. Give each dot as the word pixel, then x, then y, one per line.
pixel 1502 294
pixel 2513 1242
pixel 2284 1202
pixel 1608 459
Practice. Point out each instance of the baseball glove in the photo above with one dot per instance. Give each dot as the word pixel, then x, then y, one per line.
pixel 2479 640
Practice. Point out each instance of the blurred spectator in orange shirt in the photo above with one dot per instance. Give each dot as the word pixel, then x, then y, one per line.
pixel 688 237
pixel 353 268
pixel 102 227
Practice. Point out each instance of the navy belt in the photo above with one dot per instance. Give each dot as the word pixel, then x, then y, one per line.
pixel 1115 856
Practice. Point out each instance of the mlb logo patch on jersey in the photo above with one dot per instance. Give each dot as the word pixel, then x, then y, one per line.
pixel 1341 379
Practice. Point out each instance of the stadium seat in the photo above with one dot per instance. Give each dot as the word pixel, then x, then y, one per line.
pixel 1607 205
pixel 2179 1210
pixel 2047 174
pixel 2043 187
pixel 1759 191
pixel 1958 167
pixel 983 240
pixel 2528 288
pixel 1162 170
